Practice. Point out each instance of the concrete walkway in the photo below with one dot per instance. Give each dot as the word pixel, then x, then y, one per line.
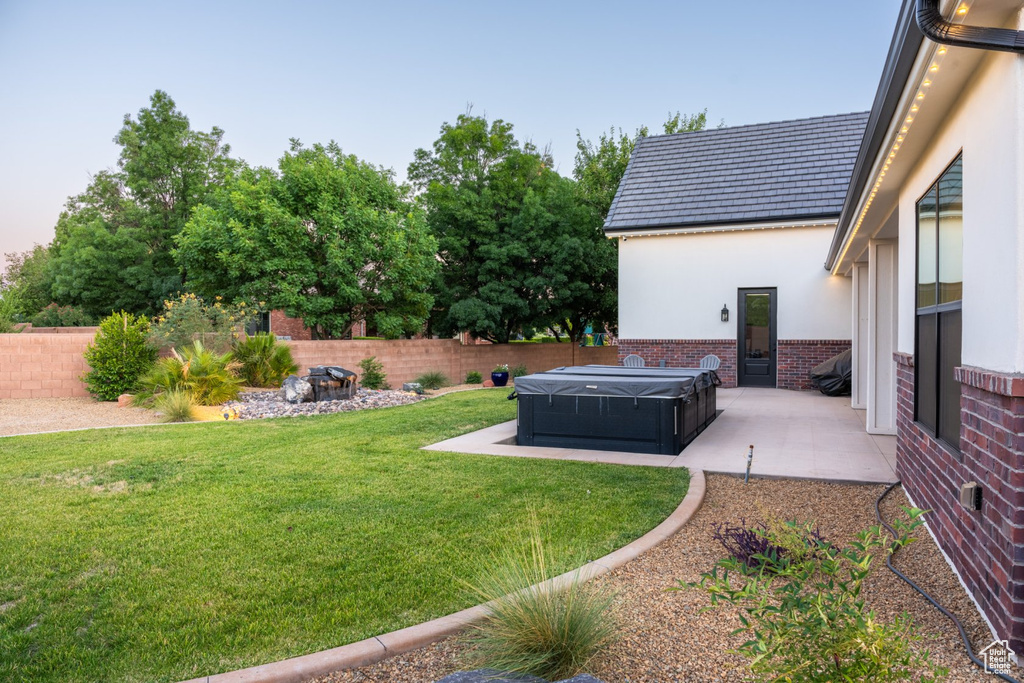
pixel 800 435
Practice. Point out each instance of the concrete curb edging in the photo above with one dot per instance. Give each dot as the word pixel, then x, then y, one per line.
pixel 377 648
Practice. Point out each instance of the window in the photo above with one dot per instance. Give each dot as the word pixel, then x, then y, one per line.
pixel 260 324
pixel 939 301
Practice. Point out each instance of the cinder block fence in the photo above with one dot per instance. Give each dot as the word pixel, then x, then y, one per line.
pixel 50 365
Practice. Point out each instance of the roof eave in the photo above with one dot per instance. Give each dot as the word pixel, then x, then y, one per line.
pixel 806 220
pixel 903 50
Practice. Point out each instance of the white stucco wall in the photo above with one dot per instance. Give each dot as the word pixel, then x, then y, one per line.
pixel 673 286
pixel 987 123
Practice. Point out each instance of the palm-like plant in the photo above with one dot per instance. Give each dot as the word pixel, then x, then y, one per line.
pixel 264 362
pixel 209 378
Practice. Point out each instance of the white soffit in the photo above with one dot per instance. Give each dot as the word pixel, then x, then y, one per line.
pixel 738 227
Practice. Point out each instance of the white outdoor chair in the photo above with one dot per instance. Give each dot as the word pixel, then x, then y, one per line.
pixel 633 361
pixel 710 362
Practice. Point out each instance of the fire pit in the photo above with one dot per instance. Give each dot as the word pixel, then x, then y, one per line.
pixel 331 383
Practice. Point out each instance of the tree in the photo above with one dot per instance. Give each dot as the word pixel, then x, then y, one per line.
pixel 331 239
pixel 113 241
pixel 28 280
pixel 509 230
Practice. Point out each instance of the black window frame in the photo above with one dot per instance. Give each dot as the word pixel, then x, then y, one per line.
pixel 946 319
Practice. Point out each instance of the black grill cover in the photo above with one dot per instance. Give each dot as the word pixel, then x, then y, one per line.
pixel 834 377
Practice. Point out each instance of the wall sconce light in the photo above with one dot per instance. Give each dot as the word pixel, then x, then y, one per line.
pixel 725 313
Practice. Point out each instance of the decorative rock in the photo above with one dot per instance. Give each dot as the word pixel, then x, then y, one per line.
pixel 296 390
pixel 124 400
pixel 488 383
pixel 488 676
pixel 260 404
pixel 413 386
pixel 495 676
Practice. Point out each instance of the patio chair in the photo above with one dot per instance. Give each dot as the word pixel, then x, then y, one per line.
pixel 633 361
pixel 710 362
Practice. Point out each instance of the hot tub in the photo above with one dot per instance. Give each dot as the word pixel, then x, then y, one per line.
pixel 640 410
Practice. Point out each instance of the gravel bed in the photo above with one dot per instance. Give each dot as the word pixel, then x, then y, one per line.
pixel 260 404
pixel 664 637
pixel 33 415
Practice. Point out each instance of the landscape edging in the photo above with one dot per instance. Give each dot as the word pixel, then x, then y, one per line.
pixel 377 648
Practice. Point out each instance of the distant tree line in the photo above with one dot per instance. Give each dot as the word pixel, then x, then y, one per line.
pixel 486 237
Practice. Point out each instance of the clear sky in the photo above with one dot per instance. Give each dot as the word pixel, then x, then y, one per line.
pixel 381 77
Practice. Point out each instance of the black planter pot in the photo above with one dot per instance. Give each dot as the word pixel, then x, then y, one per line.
pixel 500 379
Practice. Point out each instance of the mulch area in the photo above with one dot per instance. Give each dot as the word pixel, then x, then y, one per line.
pixel 665 637
pixel 33 415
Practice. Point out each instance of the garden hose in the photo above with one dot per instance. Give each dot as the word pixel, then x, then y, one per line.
pixel 959 626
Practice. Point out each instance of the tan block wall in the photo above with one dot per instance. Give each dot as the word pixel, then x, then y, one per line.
pixel 51 365
pixel 406 359
pixel 42 365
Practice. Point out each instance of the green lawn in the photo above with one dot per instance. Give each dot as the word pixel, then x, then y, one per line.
pixel 163 553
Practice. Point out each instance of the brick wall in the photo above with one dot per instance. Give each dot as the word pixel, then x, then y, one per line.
pixel 796 357
pixel 283 326
pixel 42 365
pixel 986 546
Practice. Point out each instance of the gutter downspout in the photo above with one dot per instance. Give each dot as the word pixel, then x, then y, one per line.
pixel 931 23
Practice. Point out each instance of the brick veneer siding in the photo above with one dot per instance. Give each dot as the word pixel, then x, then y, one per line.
pixel 283 326
pixel 987 546
pixel 684 353
pixel 796 357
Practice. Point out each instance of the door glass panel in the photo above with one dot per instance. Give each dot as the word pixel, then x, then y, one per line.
pixel 926 250
pixel 951 230
pixel 758 332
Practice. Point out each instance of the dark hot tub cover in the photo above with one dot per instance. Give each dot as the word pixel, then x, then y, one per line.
pixel 568 384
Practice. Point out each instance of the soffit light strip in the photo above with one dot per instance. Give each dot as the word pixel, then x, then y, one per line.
pixel 700 231
pixel 909 114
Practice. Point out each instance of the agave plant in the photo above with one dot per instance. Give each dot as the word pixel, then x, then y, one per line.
pixel 209 378
pixel 264 362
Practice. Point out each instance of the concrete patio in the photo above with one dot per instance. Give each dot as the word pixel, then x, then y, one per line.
pixel 799 435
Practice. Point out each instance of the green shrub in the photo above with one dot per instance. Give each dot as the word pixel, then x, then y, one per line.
pixel 519 370
pixel 188 318
pixel 176 406
pixel 435 379
pixel 534 629
pixel 805 619
pixel 367 338
pixel 209 378
pixel 264 362
pixel 474 377
pixel 61 316
pixel 373 376
pixel 118 356
pixel 9 308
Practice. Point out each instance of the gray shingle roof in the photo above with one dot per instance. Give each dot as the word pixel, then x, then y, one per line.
pixel 763 172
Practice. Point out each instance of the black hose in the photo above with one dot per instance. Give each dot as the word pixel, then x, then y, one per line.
pixel 897 572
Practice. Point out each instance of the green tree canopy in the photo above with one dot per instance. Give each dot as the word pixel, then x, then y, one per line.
pixel 113 241
pixel 512 236
pixel 28 280
pixel 331 239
